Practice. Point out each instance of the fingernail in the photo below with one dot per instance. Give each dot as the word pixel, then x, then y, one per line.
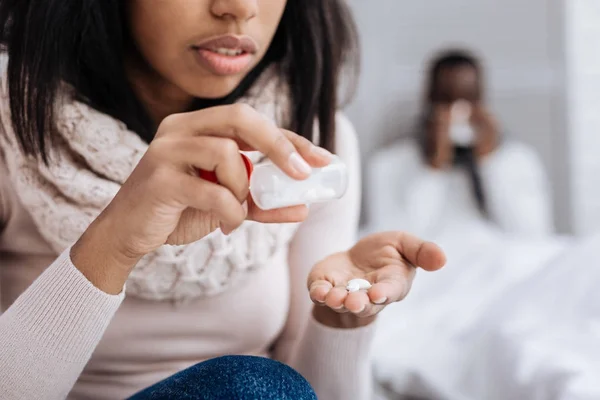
pixel 245 207
pixel 338 308
pixel 380 301
pixel 299 164
pixel 321 152
pixel 362 309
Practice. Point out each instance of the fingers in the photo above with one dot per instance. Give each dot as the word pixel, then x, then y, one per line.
pixel 390 289
pixel 319 290
pixel 316 156
pixel 387 292
pixel 389 265
pixel 390 284
pixel 338 299
pixel 358 302
pixel 329 290
pixel 220 155
pixel 209 197
pixel 247 127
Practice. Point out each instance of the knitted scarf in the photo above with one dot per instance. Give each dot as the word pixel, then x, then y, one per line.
pixel 93 157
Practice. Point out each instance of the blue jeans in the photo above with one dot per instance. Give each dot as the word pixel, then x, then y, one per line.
pixel 232 378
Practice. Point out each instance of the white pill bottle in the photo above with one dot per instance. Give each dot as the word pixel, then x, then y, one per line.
pixel 271 188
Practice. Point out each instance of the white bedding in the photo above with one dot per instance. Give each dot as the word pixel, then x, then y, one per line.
pixel 507 318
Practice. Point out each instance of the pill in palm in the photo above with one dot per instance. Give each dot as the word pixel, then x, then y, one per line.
pixel 355 285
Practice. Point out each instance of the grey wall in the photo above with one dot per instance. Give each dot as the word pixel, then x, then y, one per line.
pixel 583 82
pixel 520 43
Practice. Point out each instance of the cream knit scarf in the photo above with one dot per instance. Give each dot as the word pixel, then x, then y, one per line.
pixel 95 156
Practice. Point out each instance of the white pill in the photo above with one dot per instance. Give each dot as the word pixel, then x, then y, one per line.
pixel 358 284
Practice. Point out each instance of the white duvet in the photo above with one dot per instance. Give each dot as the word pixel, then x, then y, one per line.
pixel 507 318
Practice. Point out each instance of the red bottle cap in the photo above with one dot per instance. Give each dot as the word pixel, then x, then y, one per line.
pixel 212 177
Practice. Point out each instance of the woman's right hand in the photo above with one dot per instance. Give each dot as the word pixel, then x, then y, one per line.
pixel 165 202
pixel 440 151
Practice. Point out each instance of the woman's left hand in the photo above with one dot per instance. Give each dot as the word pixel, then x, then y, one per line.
pixel 387 260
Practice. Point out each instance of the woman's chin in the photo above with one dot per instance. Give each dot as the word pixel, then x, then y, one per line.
pixel 216 89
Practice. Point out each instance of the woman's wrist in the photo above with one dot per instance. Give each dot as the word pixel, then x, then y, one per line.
pixel 328 317
pixel 99 257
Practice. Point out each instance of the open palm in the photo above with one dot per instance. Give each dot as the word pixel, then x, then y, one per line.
pixel 387 260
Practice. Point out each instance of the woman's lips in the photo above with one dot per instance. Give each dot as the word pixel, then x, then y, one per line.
pixel 221 64
pixel 227 54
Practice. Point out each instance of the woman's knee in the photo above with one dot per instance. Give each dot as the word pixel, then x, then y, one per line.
pixel 233 377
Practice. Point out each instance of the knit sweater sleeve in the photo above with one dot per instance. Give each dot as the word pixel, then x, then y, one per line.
pixel 335 361
pixel 48 335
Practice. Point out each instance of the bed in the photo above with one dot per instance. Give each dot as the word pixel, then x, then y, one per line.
pixel 508 318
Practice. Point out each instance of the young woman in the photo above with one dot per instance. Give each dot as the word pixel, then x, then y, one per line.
pixel 108 110
pixel 459 167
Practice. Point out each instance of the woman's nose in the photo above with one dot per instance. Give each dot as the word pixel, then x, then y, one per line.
pixel 239 10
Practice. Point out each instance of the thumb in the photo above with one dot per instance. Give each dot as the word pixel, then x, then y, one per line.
pixel 280 215
pixel 426 255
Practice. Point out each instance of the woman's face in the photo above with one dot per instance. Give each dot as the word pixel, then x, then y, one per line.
pixel 203 47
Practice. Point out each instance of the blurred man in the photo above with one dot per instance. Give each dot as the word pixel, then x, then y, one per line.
pixel 458 167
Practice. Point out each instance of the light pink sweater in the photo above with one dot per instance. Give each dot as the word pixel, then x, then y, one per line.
pixel 60 336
